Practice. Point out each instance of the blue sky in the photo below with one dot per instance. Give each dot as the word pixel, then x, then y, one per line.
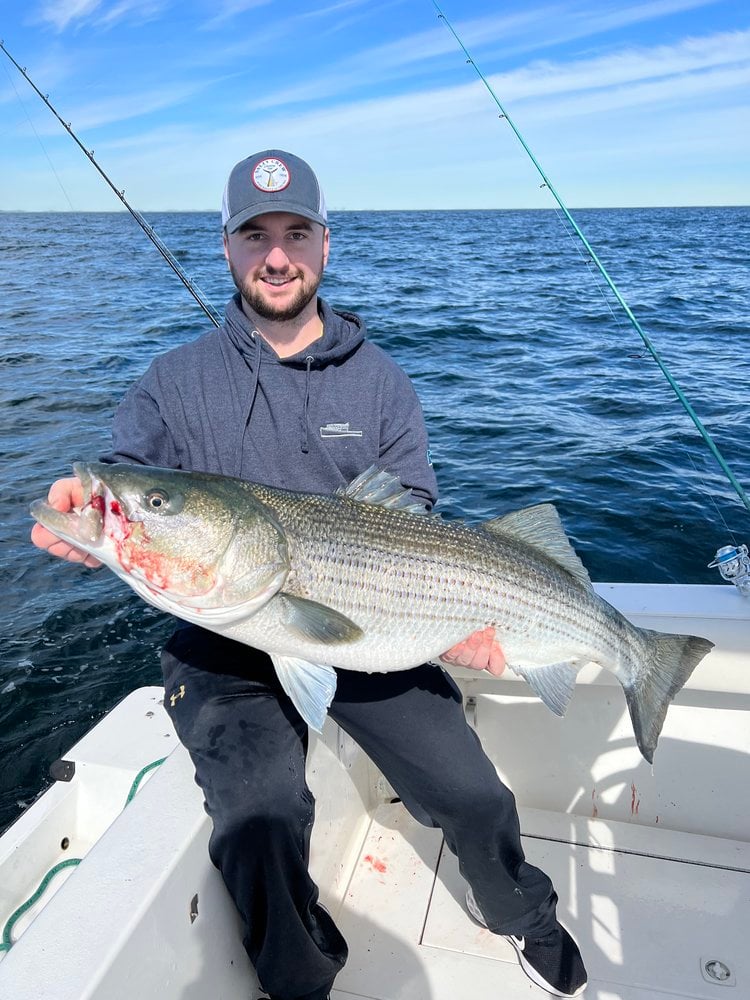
pixel 630 103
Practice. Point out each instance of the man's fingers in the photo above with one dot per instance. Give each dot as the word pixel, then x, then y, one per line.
pixel 497 660
pixel 64 494
pixel 480 651
pixel 42 537
pixel 64 550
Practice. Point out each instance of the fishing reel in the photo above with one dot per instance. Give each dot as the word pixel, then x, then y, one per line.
pixel 733 562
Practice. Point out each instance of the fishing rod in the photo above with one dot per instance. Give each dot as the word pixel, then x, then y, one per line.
pixel 649 346
pixel 163 249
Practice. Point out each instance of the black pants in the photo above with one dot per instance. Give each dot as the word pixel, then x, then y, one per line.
pixel 248 745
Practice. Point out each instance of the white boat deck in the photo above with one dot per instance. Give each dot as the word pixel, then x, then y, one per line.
pixel 411 938
pixel 652 866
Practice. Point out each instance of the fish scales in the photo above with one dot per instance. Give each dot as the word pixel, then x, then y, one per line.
pixel 449 576
pixel 384 580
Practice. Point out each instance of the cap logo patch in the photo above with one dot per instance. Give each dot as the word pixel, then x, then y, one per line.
pixel 271 175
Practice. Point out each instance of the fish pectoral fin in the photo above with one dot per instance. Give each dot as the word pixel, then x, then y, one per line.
pixel 541 527
pixel 311 687
pixel 310 620
pixel 554 684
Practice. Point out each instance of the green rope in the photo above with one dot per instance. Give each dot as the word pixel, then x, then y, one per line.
pixel 139 777
pixel 649 346
pixel 7 942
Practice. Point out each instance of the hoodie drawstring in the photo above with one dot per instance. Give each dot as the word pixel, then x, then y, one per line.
pixel 305 429
pixel 255 369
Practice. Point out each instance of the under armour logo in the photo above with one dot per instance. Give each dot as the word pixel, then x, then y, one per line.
pixel 179 694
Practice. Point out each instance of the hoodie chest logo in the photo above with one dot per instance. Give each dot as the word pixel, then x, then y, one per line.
pixel 333 430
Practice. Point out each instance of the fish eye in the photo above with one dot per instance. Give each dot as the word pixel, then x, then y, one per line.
pixel 156 499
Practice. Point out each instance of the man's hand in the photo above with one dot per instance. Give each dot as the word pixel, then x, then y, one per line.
pixel 64 495
pixel 480 651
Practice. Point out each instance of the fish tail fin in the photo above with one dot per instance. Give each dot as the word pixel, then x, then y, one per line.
pixel 672 660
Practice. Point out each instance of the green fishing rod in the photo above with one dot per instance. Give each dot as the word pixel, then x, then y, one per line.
pixel 163 249
pixel 647 342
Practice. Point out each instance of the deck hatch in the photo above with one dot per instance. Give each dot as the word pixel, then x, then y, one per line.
pixel 649 923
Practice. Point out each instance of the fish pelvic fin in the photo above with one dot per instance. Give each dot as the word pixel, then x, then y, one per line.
pixel 383 489
pixel 310 686
pixel 554 684
pixel 673 659
pixel 541 528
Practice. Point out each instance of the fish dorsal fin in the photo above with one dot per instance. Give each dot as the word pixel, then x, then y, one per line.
pixel 541 527
pixel 381 488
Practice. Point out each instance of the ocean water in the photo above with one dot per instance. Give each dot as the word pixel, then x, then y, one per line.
pixel 535 387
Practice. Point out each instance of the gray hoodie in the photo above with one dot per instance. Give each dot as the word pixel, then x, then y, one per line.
pixel 226 403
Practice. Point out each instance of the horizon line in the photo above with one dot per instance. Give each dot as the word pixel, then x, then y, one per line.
pixel 343 211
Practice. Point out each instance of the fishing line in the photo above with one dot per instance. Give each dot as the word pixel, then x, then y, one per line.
pixel 39 139
pixel 620 324
pixel 710 494
pixel 745 500
pixel 163 249
pixel 590 267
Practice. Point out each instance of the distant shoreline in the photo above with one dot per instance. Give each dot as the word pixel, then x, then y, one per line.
pixel 353 211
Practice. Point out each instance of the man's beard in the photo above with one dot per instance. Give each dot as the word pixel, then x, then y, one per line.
pixel 305 293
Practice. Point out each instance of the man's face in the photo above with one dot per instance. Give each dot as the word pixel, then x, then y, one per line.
pixel 277 261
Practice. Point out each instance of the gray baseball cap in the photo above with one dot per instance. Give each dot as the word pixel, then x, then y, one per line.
pixel 271 181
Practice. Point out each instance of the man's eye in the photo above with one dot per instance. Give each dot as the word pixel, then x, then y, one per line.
pixel 298 236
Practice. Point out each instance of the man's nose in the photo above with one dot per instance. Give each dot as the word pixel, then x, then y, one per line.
pixel 277 259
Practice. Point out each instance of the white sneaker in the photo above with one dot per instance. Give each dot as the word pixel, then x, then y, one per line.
pixel 552 962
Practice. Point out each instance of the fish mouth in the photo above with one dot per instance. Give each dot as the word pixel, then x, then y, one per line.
pixel 86 526
pixel 103 513
pixel 92 513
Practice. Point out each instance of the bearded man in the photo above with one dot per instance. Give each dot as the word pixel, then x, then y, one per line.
pixel 289 392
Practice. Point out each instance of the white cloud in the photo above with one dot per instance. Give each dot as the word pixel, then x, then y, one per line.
pixel 689 75
pixel 334 8
pixel 566 23
pixel 52 67
pixel 228 9
pixel 139 10
pixel 63 13
pixel 113 110
pixel 694 55
pixel 667 69
pixel 110 111
pixel 529 30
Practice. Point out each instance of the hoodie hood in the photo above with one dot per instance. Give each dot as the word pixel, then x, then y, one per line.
pixel 343 332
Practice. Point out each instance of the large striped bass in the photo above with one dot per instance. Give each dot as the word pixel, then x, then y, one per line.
pixel 362 580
